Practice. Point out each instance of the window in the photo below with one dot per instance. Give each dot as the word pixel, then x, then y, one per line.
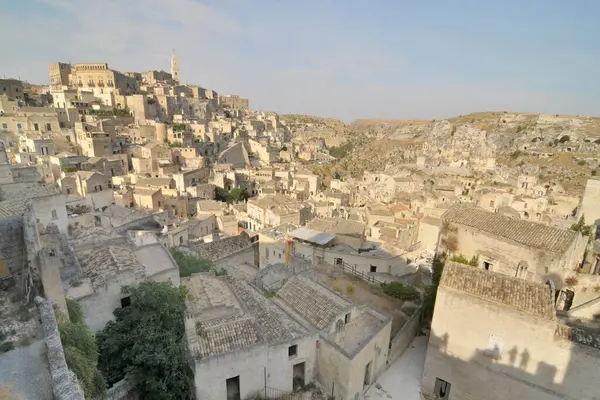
pixel 373 268
pixel 347 318
pixel 68 191
pixel 293 351
pixel 48 127
pixel 20 127
pixel 36 127
pixel 441 390
pixel 181 240
pixel 4 126
pixel 487 266
pixel 54 214
pixel 125 301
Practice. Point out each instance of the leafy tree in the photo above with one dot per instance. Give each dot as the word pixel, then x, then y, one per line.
pixel 581 227
pixel 234 195
pixel 146 342
pixel 340 151
pixel 81 351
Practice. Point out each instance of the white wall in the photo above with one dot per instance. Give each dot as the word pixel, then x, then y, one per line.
pixel 534 362
pixel 44 207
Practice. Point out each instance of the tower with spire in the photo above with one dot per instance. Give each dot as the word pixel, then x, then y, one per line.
pixel 174 68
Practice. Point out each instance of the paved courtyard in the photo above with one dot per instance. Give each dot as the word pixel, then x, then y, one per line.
pixel 402 380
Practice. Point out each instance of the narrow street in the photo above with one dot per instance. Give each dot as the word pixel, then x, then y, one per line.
pixel 402 380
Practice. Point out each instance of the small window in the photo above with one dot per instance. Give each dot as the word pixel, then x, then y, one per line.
pixel 36 127
pixel 125 301
pixel 54 214
pixel 347 318
pixel 4 126
pixel 487 266
pixel 293 351
pixel 279 255
pixel 48 127
pixel 373 268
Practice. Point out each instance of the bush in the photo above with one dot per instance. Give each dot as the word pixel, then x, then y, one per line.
pixel 146 342
pixel 571 281
pixel 349 288
pixel 81 354
pixel 459 258
pixel 581 162
pixel 74 309
pixel 340 151
pixel 400 291
pixel 190 264
pixel 6 346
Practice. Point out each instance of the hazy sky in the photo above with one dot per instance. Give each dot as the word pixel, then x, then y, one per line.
pixel 345 59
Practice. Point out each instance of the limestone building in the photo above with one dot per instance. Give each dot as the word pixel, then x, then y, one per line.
pixel 511 246
pixel 495 337
pixel 245 343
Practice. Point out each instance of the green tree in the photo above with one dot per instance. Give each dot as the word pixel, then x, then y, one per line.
pixel 237 194
pixel 581 227
pixel 146 342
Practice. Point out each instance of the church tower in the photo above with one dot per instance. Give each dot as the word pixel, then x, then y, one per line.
pixel 174 68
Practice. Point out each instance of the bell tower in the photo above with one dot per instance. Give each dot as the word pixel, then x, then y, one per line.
pixel 174 68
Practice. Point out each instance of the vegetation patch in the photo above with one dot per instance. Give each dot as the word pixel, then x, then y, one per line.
pixel 81 351
pixel 146 342
pixel 190 264
pixel 459 258
pixel 400 291
pixel 340 151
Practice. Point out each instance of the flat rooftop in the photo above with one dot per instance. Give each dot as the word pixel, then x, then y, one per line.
pixel 356 334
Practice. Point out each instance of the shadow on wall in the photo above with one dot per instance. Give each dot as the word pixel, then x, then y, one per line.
pixel 498 373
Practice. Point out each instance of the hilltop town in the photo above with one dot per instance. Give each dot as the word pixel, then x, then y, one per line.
pixel 163 240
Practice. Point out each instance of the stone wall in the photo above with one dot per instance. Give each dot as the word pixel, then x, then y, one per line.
pixel 122 390
pixel 64 381
pixel 405 335
pixel 12 244
pixel 223 247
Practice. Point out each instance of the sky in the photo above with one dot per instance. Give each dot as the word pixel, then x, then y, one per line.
pixel 345 59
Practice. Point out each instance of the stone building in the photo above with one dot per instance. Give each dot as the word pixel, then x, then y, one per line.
pixel 497 337
pixel 245 343
pixel 591 199
pixel 511 246
pixel 108 268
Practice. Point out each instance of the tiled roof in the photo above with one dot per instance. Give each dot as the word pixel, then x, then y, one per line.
pixel 274 324
pixel 109 261
pixel 527 233
pixel 315 303
pixel 11 208
pixel 223 247
pixel 522 295
pixel 223 338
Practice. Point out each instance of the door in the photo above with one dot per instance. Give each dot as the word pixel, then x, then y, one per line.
pixel 233 388
pixel 367 379
pixel 298 381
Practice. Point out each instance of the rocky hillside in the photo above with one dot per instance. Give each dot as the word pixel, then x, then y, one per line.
pixel 564 146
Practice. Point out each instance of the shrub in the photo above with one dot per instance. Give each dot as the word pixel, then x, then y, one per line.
pixel 190 264
pixel 349 288
pixel 74 309
pixel 459 258
pixel 400 291
pixel 581 162
pixel 571 281
pixel 6 346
